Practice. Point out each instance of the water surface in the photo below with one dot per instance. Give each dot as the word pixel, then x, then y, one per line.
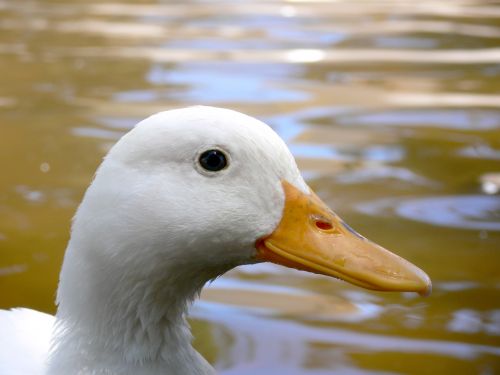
pixel 392 110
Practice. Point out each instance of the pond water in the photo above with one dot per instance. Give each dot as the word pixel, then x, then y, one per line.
pixel 392 110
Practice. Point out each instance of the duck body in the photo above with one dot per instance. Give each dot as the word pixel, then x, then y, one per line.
pixel 162 217
pixel 24 341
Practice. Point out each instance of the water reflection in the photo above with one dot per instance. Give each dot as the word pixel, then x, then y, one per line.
pixel 480 151
pixel 467 212
pixel 470 321
pixel 267 300
pixel 476 119
pixel 373 172
pixel 391 109
pixel 490 183
pixel 280 354
pixel 197 84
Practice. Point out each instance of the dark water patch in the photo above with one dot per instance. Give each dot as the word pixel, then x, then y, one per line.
pixel 404 42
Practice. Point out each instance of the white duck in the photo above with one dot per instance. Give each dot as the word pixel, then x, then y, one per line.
pixel 185 196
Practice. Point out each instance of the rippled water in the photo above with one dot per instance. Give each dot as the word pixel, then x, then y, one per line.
pixel 392 110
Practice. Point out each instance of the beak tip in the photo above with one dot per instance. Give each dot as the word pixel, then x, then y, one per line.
pixel 422 281
pixel 426 283
pixel 427 291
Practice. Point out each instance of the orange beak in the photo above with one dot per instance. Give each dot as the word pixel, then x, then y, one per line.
pixel 310 237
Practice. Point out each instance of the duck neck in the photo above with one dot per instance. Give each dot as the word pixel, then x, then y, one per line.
pixel 119 322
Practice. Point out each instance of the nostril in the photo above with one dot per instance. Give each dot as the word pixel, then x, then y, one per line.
pixel 323 225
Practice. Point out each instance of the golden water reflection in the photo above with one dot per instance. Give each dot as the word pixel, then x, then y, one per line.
pixel 392 110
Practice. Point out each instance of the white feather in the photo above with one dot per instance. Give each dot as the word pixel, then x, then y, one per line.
pixel 24 341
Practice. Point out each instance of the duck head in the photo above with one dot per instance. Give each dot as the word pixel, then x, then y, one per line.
pixel 191 193
pixel 183 197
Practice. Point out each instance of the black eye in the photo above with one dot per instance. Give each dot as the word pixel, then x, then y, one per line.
pixel 213 160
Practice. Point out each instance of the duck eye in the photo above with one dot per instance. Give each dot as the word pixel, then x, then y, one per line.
pixel 213 160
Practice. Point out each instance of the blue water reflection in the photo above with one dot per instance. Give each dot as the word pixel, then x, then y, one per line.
pixel 462 211
pixel 200 85
pixel 477 119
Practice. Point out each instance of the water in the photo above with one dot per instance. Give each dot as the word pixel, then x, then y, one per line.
pixel 391 109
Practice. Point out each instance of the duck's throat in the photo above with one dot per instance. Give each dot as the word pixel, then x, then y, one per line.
pixel 125 324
